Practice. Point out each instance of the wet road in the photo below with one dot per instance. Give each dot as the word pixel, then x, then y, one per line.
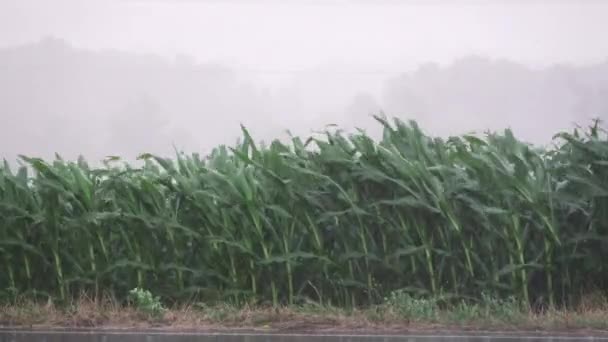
pixel 96 336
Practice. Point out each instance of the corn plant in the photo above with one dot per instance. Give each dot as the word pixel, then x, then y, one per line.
pixel 338 218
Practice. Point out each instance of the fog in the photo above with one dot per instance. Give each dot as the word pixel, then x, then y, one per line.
pixel 122 77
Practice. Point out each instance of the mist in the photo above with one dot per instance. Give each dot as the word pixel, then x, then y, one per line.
pixel 99 78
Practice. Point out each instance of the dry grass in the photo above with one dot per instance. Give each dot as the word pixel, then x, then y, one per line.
pixel 108 314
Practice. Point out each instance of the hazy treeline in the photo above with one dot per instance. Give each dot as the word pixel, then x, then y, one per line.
pixel 478 93
pixel 58 98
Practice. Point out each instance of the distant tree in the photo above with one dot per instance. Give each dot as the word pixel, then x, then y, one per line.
pixel 141 126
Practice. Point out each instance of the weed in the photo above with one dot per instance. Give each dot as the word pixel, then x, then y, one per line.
pixel 146 303
pixel 508 310
pixel 465 312
pixel 416 309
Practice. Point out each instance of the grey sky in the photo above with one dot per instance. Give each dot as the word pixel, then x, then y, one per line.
pixel 279 36
pixel 290 64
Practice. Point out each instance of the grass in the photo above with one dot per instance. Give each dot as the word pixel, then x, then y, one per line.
pixel 405 315
pixel 338 219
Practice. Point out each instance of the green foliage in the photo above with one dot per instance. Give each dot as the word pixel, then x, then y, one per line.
pixel 406 306
pixel 338 219
pixel 464 312
pixel 146 303
pixel 506 310
pixel 9 295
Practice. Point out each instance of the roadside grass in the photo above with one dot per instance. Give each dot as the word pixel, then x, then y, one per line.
pixel 399 312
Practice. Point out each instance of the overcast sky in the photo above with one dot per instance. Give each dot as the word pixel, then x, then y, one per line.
pixel 321 60
pixel 284 35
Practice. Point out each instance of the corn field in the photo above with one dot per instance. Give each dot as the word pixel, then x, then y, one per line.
pixel 338 219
